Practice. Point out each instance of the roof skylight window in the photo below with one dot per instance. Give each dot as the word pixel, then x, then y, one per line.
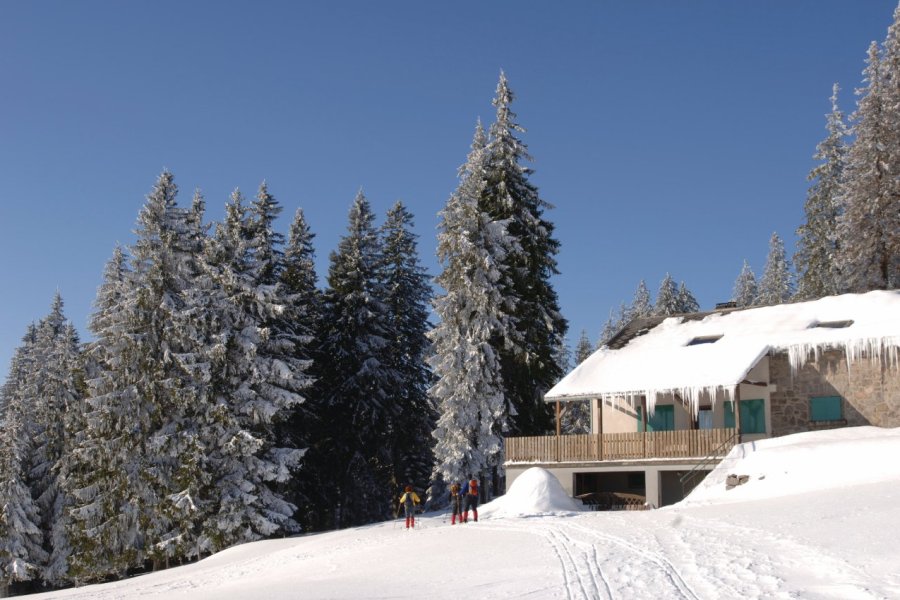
pixel 704 339
pixel 832 324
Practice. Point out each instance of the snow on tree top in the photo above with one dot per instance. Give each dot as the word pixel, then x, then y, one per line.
pixel 669 359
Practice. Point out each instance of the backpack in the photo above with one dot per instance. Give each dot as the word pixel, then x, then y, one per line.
pixel 408 499
pixel 473 487
pixel 454 489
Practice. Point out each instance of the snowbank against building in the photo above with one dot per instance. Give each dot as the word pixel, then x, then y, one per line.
pixel 534 492
pixel 802 463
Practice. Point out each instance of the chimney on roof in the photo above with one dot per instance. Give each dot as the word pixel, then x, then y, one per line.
pixel 729 304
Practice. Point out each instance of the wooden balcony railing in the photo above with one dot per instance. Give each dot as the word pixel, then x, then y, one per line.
pixel 689 443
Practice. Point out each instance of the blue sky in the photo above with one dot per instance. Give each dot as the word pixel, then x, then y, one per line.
pixel 670 136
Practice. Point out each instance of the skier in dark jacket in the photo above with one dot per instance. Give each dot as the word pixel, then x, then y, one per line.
pixel 455 503
pixel 471 500
pixel 410 500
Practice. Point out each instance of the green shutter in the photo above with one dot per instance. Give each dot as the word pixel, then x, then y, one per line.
pixel 662 419
pixel 753 415
pixel 825 408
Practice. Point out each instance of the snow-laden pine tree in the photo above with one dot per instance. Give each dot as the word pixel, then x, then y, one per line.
pixel 407 294
pixel 106 460
pixel 537 326
pixel 575 417
pixel 815 258
pixel 687 303
pixel 53 391
pixel 299 279
pixel 776 285
pixel 611 327
pixel 146 387
pixel 667 301
pixel 869 226
pixel 69 360
pixel 641 306
pixel 745 289
pixel 256 378
pixel 357 383
pixel 472 313
pixel 22 556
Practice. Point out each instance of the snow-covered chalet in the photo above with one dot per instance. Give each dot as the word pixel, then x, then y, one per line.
pixel 670 396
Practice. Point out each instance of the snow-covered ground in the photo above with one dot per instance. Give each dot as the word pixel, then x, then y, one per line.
pixel 818 518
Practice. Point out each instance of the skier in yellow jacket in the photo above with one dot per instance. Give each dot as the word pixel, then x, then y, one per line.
pixel 410 500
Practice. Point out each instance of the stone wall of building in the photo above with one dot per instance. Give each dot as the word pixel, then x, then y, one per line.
pixel 870 392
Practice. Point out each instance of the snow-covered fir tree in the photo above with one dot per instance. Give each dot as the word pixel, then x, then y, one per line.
pixel 357 383
pixel 815 258
pixel 575 417
pixel 105 461
pixel 69 360
pixel 744 291
pixel 51 391
pixel 22 555
pixel 610 328
pixel 641 306
pixel 869 226
pixel 256 378
pixel 145 386
pixel 537 326
pixel 776 285
pixel 667 300
pixel 472 313
pixel 687 303
pixel 299 279
pixel 407 294
pixel 55 391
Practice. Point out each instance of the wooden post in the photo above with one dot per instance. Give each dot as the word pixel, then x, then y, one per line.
pixel 736 404
pixel 644 422
pixel 600 404
pixel 558 430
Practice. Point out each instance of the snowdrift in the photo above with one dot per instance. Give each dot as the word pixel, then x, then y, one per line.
pixel 802 463
pixel 534 492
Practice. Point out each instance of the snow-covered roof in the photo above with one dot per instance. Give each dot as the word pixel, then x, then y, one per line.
pixel 691 356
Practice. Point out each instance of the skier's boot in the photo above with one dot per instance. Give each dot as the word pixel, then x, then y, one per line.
pixel 412 522
pixel 407 522
pixel 453 519
pixel 475 512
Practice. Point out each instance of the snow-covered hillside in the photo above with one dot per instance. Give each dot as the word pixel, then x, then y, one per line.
pixel 817 518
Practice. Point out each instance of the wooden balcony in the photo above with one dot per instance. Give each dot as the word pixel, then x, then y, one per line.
pixel 690 443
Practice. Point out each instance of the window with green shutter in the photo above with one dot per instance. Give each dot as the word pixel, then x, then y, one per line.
pixel 662 419
pixel 753 415
pixel 825 408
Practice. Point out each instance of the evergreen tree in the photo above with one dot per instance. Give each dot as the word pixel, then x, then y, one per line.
pixel 146 387
pixel 745 289
pixel 104 462
pixel 472 313
pixel 300 429
pixel 610 329
pixel 69 361
pixel 687 303
pixel 640 305
pixel 667 301
pixel 358 384
pixel 575 416
pixel 407 293
pixel 776 286
pixel 537 328
pixel 22 555
pixel 257 377
pixel 817 238
pixel 867 227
